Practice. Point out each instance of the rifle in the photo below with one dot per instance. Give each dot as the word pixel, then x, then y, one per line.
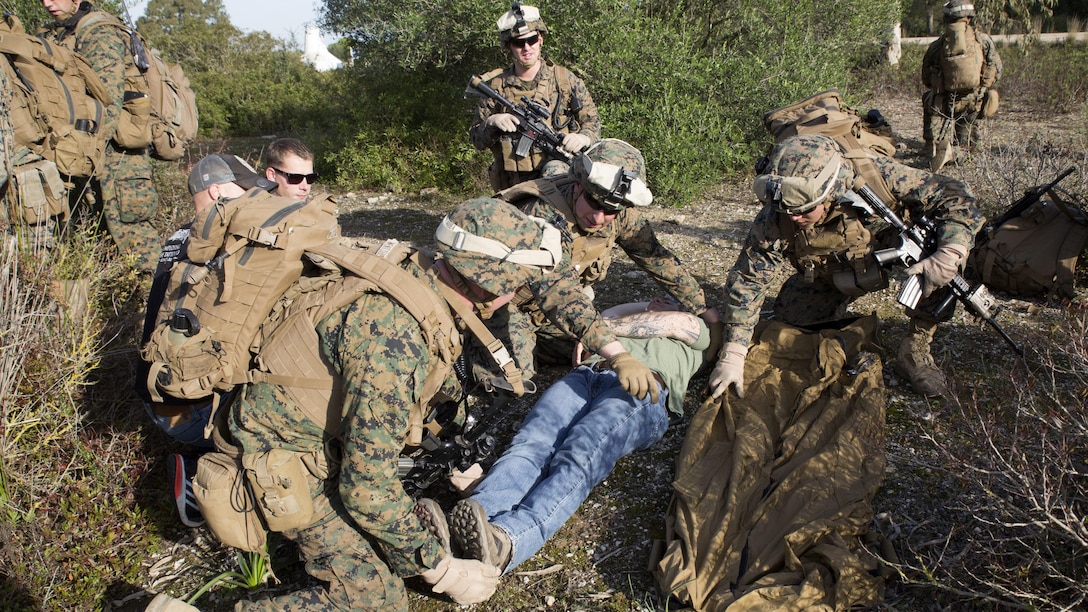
pixel 532 124
pixel 458 448
pixel 1030 197
pixel 916 243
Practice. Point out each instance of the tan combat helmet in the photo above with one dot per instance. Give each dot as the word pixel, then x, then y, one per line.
pixel 496 246
pixel 519 21
pixel 614 173
pixel 957 9
pixel 802 172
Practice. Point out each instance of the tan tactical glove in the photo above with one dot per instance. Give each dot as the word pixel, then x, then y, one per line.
pixel 504 122
pixel 575 142
pixel 466 581
pixel 938 269
pixel 729 370
pixel 636 378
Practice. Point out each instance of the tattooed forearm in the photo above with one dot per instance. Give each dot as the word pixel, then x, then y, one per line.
pixel 681 326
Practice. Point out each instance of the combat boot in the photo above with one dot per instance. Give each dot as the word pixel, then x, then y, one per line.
pixel 431 516
pixel 915 363
pixel 943 153
pixel 477 537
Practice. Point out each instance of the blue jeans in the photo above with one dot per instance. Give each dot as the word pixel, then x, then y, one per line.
pixel 570 441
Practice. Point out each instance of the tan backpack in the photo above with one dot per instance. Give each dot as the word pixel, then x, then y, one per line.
pixel 1034 253
pixel 159 108
pixel 824 113
pixel 961 58
pixel 58 102
pixel 243 255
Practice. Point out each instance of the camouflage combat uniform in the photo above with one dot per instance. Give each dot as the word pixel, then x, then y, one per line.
pixel 840 243
pixel 572 111
pixel 937 105
pixel 364 536
pixel 128 197
pixel 591 256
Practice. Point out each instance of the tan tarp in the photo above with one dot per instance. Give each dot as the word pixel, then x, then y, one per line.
pixel 772 498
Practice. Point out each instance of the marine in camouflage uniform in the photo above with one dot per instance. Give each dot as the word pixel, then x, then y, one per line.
pixel 939 106
pixel 128 200
pixel 805 223
pixel 596 204
pixel 364 536
pixel 573 113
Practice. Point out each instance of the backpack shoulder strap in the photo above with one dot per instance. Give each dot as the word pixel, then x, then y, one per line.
pixel 562 80
pixel 543 189
pixel 495 348
pixel 382 268
pixel 866 170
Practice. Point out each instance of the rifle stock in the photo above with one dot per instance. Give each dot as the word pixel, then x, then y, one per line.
pixel 532 126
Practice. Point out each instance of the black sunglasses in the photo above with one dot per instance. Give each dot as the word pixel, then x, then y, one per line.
pixel 295 179
pixel 525 42
pixel 596 204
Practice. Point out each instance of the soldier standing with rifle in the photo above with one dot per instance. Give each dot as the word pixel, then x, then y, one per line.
pixel 808 220
pixel 959 70
pixel 128 198
pixel 570 110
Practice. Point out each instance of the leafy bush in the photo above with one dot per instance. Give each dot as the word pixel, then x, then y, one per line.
pixel 684 83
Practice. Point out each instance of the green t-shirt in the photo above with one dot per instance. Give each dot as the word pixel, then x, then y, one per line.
pixel 675 361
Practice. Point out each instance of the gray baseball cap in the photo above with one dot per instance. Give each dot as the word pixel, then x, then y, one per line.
pixel 220 168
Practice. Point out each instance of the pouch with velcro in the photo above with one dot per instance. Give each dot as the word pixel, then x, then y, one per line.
pixel 184 366
pixel 279 481
pixel 227 503
pixel 41 191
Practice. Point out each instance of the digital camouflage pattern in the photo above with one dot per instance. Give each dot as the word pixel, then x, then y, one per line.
pixel 774 240
pixel 573 111
pixel 499 221
pixel 557 295
pixel 128 199
pixel 612 151
pixel 591 256
pixel 377 350
pixel 364 537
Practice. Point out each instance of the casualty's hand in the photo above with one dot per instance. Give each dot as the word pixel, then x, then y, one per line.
pixel 575 142
pixel 466 581
pixel 504 122
pixel 938 269
pixel 729 370
pixel 635 377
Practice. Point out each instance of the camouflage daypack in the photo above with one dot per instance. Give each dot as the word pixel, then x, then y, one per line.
pixel 159 108
pixel 858 137
pixel 58 102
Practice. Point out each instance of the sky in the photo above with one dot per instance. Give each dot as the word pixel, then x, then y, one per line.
pixel 281 18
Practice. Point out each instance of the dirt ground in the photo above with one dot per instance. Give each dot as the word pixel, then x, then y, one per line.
pixel 599 560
